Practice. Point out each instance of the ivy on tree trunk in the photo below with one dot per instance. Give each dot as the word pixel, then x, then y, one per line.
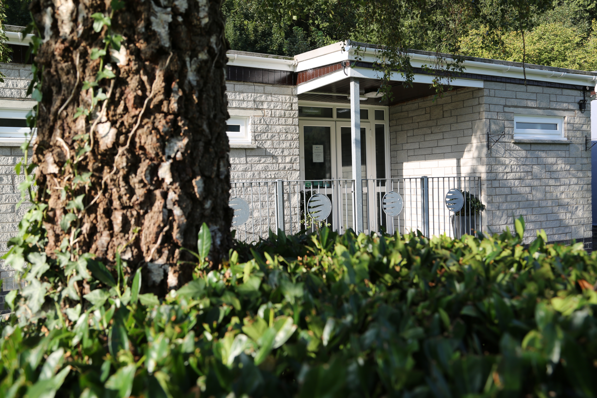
pixel 131 146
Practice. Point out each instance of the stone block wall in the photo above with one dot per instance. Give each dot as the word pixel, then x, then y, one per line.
pixel 549 184
pixel 13 95
pixel 16 81
pixel 438 137
pixel 273 154
pixel 273 112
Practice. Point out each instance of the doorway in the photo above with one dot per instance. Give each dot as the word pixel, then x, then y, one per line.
pixel 326 162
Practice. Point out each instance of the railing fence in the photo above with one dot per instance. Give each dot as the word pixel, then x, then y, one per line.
pixel 299 205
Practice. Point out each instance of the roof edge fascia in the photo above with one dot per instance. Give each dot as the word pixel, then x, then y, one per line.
pixel 252 61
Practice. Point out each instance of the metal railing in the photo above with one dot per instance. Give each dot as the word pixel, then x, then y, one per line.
pixel 284 205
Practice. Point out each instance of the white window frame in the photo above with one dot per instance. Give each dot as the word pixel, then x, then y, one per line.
pixel 13 136
pixel 531 134
pixel 243 137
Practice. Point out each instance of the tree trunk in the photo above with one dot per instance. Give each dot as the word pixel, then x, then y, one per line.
pixel 156 150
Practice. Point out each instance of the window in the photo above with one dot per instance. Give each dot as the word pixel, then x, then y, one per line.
pixel 13 126
pixel 344 113
pixel 238 132
pixel 538 128
pixel 311 111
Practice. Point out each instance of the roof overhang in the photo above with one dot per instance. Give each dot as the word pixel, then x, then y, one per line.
pixel 364 53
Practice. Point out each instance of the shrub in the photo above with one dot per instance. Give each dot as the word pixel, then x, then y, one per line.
pixel 329 316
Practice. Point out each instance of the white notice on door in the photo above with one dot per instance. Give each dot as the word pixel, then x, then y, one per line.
pixel 317 153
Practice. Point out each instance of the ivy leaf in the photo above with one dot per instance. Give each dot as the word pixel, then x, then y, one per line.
pixel 10 299
pixel 105 74
pixel 97 297
pixel 88 85
pixel 117 5
pixel 99 21
pixel 36 95
pixel 39 264
pixel 74 313
pixel 97 53
pixel 82 266
pixel 81 112
pixel 115 41
pixel 76 203
pixel 149 300
pixel 35 293
pixel 66 221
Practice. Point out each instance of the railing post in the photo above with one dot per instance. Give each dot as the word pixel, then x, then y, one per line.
pixel 280 205
pixel 425 204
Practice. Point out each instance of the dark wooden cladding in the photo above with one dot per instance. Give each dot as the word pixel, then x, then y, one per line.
pixel 19 54
pixel 311 74
pixel 257 75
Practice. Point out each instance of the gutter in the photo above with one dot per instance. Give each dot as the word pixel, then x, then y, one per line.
pixel 17 38
pixel 261 62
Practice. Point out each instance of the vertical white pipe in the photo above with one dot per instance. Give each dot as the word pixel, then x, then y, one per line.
pixel 355 124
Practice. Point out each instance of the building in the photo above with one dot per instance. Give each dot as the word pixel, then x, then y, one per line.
pixel 297 125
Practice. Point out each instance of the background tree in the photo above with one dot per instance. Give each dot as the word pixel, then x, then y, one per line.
pixel 17 12
pixel 131 149
pixel 4 50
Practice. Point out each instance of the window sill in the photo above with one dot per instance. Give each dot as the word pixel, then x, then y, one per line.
pixel 243 146
pixel 540 141
pixel 12 142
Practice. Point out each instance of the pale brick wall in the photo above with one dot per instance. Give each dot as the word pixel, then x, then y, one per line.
pixel 441 137
pixel 16 80
pixel 275 133
pixel 548 184
pixel 13 94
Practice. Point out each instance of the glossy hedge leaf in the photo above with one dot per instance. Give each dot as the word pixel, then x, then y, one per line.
pixel 122 381
pixel 204 242
pixel 193 289
pixel 47 388
pixel 136 287
pixel 118 338
pixel 101 273
pixel 149 300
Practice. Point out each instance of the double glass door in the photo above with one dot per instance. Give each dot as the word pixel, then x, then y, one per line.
pixel 326 154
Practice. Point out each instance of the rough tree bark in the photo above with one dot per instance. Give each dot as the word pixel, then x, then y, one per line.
pixel 159 152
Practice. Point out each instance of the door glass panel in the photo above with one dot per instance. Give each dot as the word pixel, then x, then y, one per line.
pixel 347 210
pixel 318 155
pixel 347 153
pixel 379 114
pixel 380 151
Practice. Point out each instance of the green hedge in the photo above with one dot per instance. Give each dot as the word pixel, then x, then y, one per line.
pixel 329 316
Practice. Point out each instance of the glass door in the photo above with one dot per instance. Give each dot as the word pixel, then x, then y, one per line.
pixel 373 173
pixel 318 157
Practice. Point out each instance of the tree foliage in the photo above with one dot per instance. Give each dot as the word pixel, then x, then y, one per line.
pixel 4 50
